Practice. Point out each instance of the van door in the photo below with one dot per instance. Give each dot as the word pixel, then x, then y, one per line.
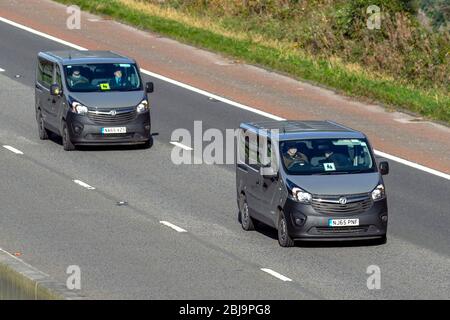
pixel 44 79
pixel 269 186
pixel 251 173
pixel 57 102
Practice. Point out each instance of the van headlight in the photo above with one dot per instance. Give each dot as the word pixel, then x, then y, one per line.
pixel 301 196
pixel 142 107
pixel 79 108
pixel 378 193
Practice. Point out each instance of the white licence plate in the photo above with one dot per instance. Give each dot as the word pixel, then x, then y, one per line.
pixel 343 222
pixel 114 130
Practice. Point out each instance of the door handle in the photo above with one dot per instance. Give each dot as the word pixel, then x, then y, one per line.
pixel 257 182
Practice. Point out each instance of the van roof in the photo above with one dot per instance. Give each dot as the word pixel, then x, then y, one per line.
pixel 303 129
pixel 86 56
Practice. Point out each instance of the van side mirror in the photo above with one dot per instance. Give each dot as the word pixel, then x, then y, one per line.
pixel 268 172
pixel 149 87
pixel 55 89
pixel 384 167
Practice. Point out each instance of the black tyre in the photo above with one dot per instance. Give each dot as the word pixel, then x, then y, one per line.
pixel 43 133
pixel 283 236
pixel 246 220
pixel 67 144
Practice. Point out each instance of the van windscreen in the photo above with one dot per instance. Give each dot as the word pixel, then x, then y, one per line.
pixel 326 156
pixel 102 77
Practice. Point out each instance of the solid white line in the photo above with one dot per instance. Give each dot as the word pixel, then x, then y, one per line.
pixel 41 34
pixel 219 98
pixel 174 227
pixel 12 149
pixel 182 146
pixel 84 184
pixel 28 265
pixel 276 274
pixel 412 164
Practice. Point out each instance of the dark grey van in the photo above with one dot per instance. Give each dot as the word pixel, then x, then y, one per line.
pixel 311 180
pixel 91 98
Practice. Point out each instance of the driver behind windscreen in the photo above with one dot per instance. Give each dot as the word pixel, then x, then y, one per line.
pixel 293 155
pixel 76 77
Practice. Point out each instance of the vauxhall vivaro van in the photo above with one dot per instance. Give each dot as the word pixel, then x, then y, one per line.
pixel 91 98
pixel 311 180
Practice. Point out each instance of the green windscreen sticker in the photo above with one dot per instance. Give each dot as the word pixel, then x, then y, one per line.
pixel 104 86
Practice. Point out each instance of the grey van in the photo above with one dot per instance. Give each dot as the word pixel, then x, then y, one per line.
pixel 311 180
pixel 91 98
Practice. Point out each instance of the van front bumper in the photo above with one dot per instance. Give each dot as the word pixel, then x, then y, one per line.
pixel 84 131
pixel 305 223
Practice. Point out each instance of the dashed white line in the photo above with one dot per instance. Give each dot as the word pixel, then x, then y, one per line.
pixel 12 149
pixel 171 225
pixel 84 184
pixel 219 98
pixel 276 274
pixel 182 146
pixel 2 70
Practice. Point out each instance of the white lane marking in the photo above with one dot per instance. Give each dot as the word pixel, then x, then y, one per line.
pixel 174 227
pixel 2 70
pixel 28 265
pixel 12 149
pixel 219 98
pixel 412 164
pixel 84 184
pixel 41 34
pixel 182 146
pixel 276 274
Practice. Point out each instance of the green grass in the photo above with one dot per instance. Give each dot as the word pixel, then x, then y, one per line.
pixel 430 103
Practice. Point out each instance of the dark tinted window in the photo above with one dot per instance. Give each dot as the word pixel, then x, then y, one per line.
pixel 327 156
pixel 102 77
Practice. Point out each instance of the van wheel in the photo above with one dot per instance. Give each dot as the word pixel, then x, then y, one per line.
pixel 246 220
pixel 283 236
pixel 67 144
pixel 43 133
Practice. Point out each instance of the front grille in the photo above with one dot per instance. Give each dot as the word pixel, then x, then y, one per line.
pixel 329 205
pixel 331 230
pixel 105 117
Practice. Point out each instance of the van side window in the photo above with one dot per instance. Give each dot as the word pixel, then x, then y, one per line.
pixel 264 152
pixel 58 79
pixel 251 150
pixel 44 74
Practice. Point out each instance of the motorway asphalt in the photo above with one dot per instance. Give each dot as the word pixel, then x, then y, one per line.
pixel 125 253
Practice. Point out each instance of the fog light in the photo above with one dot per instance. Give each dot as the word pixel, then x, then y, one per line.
pixel 300 220
pixel 384 218
pixel 77 129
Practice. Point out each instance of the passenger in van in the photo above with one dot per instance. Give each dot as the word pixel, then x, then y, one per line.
pixel 118 80
pixel 336 157
pixel 76 78
pixel 293 155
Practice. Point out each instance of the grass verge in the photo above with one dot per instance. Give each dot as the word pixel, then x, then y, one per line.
pixel 431 103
